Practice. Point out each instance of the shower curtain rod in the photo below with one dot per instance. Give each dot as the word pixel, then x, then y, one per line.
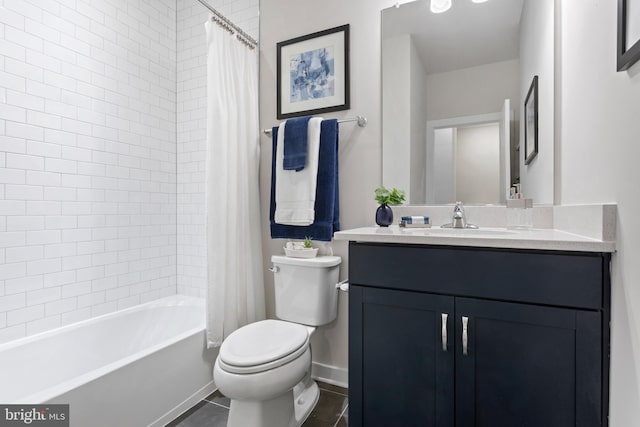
pixel 224 22
pixel 362 122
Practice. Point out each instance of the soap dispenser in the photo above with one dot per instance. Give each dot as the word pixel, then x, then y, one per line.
pixel 519 210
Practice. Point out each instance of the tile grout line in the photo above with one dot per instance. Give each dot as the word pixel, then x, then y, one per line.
pixel 341 415
pixel 215 403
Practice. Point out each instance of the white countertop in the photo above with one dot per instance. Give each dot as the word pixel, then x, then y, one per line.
pixel 543 239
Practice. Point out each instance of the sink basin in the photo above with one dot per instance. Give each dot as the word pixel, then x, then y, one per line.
pixel 461 232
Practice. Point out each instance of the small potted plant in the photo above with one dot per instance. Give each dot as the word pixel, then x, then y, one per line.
pixel 386 197
pixel 307 242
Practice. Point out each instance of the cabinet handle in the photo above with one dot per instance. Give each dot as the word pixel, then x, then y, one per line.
pixel 444 331
pixel 465 337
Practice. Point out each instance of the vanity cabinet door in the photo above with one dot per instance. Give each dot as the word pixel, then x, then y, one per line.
pixel 400 361
pixel 527 365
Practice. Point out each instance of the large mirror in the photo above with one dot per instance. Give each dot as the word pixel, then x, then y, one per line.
pixel 454 86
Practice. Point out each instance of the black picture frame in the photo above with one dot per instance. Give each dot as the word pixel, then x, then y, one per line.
pixel 531 122
pixel 628 50
pixel 328 87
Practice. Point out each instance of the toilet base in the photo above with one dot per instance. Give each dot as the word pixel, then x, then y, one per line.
pixel 290 409
pixel 306 395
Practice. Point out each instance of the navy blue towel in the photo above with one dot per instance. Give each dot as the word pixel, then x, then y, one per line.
pixel 295 143
pixel 327 217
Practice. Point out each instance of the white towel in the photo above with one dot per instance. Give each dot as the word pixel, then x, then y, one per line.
pixel 296 191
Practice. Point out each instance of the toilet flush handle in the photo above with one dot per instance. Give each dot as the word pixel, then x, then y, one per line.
pixel 274 269
pixel 343 285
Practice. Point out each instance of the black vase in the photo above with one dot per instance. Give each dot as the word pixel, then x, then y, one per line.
pixel 384 215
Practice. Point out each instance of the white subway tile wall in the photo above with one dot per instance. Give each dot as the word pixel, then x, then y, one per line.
pixel 191 126
pixel 87 159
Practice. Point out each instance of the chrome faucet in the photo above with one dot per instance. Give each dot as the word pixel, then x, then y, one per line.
pixel 459 220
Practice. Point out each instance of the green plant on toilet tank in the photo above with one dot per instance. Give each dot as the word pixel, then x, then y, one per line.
pixel 307 242
pixel 386 197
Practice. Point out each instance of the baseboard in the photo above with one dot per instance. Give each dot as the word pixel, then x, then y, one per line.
pixel 187 404
pixel 330 374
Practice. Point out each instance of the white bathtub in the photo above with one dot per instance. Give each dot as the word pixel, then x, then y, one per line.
pixel 136 367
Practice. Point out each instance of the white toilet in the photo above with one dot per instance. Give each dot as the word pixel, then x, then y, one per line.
pixel 265 367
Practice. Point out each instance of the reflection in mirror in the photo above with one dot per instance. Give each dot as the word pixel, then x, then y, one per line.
pixel 452 74
pixel 465 152
pixel 464 158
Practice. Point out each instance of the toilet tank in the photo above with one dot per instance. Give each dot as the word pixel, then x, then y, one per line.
pixel 305 289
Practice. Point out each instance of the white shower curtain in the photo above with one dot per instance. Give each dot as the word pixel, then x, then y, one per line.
pixel 234 249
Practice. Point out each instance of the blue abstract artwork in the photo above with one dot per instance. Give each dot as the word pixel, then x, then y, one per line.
pixel 312 74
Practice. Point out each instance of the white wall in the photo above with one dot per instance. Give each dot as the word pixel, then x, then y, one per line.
pixel 87 159
pixel 191 130
pixel 536 41
pixel 472 91
pixel 404 114
pixel 478 164
pixel 444 169
pixel 599 152
pixel 360 149
pixel 418 127
pixel 396 110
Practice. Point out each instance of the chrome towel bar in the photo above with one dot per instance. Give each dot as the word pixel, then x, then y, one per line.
pixel 362 122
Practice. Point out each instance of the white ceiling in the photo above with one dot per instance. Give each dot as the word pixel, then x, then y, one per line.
pixel 467 35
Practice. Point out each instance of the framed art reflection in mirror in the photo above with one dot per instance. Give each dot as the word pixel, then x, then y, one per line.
pixel 531 122
pixel 628 33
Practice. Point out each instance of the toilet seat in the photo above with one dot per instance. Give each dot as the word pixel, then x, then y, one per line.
pixel 263 345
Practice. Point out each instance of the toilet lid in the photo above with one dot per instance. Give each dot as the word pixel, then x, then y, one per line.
pixel 263 345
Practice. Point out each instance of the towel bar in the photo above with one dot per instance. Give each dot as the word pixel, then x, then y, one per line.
pixel 362 122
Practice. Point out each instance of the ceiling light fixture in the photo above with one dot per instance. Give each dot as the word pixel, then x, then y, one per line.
pixel 479 1
pixel 439 6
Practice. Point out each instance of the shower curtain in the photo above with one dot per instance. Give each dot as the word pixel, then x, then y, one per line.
pixel 235 294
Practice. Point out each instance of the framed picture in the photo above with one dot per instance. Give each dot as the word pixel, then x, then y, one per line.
pixel 628 33
pixel 313 73
pixel 531 122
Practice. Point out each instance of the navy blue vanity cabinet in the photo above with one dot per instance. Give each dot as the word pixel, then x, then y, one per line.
pixel 456 336
pixel 405 376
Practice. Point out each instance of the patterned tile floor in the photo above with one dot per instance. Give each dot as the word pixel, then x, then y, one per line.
pixel 212 411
